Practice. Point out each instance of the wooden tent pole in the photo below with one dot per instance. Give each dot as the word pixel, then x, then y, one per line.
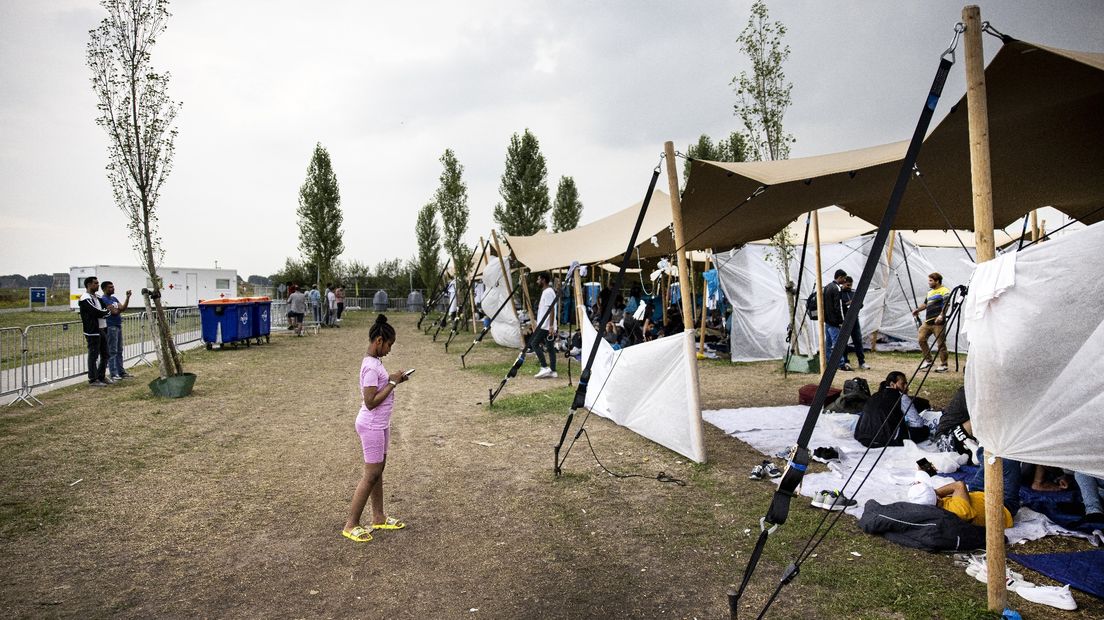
pixel 676 222
pixel 982 183
pixel 693 292
pixel 483 262
pixel 579 301
pixel 819 295
pixel 507 275
pixel 705 292
pixel 523 282
pixel 885 287
pixel 1034 225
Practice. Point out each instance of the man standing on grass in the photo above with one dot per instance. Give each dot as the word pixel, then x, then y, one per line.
pixel 339 293
pixel 94 321
pixel 115 331
pixel 315 298
pixel 833 316
pixel 545 328
pixel 933 324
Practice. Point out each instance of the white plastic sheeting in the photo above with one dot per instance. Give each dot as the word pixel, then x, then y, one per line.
pixel 650 388
pixel 756 290
pixel 1035 381
pixel 505 329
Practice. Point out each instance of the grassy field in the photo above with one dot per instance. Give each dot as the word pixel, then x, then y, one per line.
pixel 230 502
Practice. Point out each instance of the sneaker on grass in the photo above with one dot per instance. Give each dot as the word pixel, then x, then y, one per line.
pixel 1054 596
pixel 925 365
pixel 543 372
pixel 942 368
pixel 552 374
pixel 833 500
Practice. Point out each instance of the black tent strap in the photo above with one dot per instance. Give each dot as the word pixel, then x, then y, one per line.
pixel 607 309
pixel 778 511
pixel 797 291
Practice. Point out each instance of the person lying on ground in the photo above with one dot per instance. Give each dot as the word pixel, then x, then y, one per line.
pixel 956 499
pixel 1049 479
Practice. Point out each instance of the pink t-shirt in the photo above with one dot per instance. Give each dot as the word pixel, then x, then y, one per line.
pixel 372 373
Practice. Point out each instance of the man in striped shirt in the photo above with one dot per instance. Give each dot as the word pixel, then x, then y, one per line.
pixel 934 308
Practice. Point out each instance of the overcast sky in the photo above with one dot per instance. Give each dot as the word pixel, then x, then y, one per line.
pixel 386 88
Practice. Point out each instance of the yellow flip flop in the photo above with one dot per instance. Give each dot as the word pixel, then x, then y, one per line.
pixel 357 534
pixel 390 523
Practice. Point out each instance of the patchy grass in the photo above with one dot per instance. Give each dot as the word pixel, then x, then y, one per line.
pixel 554 401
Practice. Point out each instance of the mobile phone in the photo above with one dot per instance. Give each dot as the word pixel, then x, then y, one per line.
pixel 925 466
pixel 408 373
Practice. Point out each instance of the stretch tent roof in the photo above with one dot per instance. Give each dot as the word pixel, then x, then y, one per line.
pixel 1045 130
pixel 596 242
pixel 835 224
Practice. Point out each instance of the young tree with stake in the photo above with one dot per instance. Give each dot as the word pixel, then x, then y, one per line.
pixel 136 112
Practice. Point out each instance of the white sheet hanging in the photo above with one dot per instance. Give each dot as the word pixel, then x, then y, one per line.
pixel 1035 379
pixel 505 329
pixel 650 388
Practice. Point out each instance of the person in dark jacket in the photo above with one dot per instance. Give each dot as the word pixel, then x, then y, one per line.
pixel 883 421
pixel 833 316
pixel 94 315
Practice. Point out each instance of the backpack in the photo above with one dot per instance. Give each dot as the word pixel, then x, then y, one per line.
pixel 855 394
pixel 811 305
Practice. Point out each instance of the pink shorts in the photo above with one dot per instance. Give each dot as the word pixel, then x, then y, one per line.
pixel 375 444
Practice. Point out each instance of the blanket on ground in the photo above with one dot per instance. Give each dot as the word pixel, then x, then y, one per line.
pixel 772 430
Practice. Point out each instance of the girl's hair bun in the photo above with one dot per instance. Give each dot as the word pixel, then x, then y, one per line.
pixel 381 319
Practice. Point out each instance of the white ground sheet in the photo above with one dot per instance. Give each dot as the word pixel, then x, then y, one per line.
pixel 773 430
pixel 1035 382
pixel 650 388
pixel 506 330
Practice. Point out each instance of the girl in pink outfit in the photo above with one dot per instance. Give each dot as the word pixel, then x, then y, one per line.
pixel 373 424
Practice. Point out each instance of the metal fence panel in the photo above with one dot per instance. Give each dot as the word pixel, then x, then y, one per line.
pixel 55 352
pixel 11 360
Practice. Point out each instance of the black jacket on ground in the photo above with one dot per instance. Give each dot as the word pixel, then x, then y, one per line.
pixel 921 527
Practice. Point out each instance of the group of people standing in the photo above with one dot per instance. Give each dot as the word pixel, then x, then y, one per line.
pixel 837 301
pixel 102 323
pixel 327 315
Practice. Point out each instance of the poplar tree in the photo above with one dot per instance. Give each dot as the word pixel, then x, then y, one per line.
pixel 765 94
pixel 320 216
pixel 429 243
pixel 136 112
pixel 567 208
pixel 524 188
pixel 733 148
pixel 451 200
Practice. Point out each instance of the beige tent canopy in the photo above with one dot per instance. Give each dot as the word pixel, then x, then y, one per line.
pixel 597 242
pixel 1045 131
pixel 836 225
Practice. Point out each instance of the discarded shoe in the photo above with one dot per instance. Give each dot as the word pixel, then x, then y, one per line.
pixel 833 500
pixel 771 470
pixel 1054 596
pixel 764 470
pixel 825 454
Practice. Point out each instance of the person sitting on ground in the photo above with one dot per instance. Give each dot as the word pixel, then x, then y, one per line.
pixel 956 499
pixel 611 334
pixel 934 315
pixel 674 324
pixel 1049 479
pixel 636 294
pixel 1092 494
pixel 884 421
pixel 618 312
pixel 955 433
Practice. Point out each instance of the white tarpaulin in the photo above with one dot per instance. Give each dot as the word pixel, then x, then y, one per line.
pixel 505 329
pixel 650 388
pixel 1035 380
pixel 760 315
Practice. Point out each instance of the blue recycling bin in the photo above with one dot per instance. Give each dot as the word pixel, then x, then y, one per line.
pixel 261 316
pixel 226 321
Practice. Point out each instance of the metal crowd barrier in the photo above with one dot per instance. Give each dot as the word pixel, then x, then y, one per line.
pixel 40 355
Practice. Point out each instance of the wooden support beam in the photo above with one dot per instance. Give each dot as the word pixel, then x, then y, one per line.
pixel 680 241
pixel 506 274
pixel 978 117
pixel 819 295
pixel 704 317
pixel 885 287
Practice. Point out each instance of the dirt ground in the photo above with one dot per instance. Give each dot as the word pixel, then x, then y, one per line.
pixel 230 503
